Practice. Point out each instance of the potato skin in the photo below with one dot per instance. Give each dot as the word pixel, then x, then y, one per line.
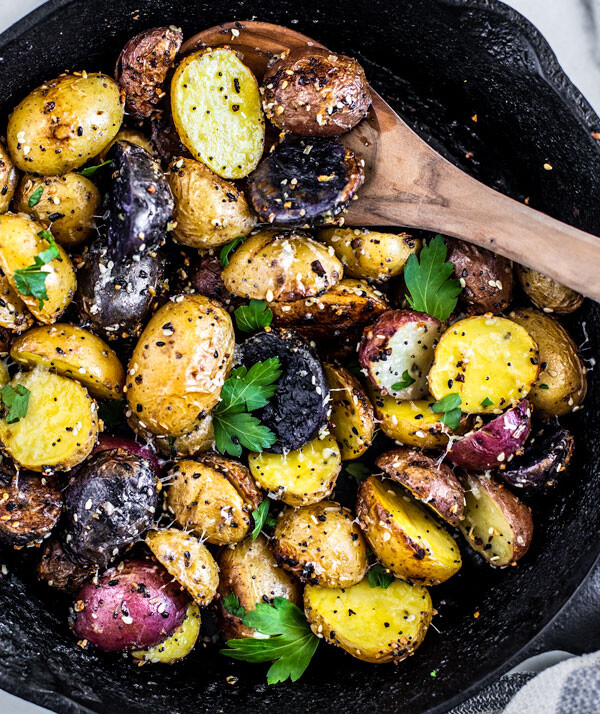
pixel 487 278
pixel 133 136
pixel 9 178
pixel 72 352
pixel 372 255
pixel 199 440
pixel 375 625
pixel 321 545
pixel 250 572
pixel 547 294
pixel 14 314
pixel 430 482
pixel 313 92
pixel 30 507
pixel 273 265
pixel 68 204
pixel 143 65
pixel 64 122
pixel 178 644
pixel 213 497
pixel 179 364
pixel 19 244
pixel 58 571
pixel 209 211
pixel 561 367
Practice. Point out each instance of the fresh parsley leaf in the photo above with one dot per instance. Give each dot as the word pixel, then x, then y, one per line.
pixel 290 645
pixel 171 442
pixel 262 518
pixel 433 673
pixel 253 316
pixel 31 281
pixel 35 197
pixel 543 386
pixel 17 401
pixel 449 407
pixel 378 577
pixel 428 281
pixel 487 402
pixel 111 411
pixel 407 380
pixel 358 471
pixel 251 388
pixel 50 253
pixel 232 431
pixel 231 603
pixel 228 249
pixel 89 171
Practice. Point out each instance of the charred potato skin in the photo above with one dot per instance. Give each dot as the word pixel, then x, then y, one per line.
pixel 249 571
pixel 9 178
pixel 487 278
pixel 143 66
pixel 561 367
pixel 58 571
pixel 430 482
pixel 546 293
pixel 320 544
pixel 30 507
pixel 313 92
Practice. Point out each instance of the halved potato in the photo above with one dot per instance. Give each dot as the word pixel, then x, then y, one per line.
pixel 372 624
pixel 60 428
pixel 179 644
pixel 14 314
pixel 484 358
pixel 72 352
pixel 402 534
pixel 9 179
pixel 300 477
pixel 497 525
pixel 188 561
pixel 217 111
pixel 352 415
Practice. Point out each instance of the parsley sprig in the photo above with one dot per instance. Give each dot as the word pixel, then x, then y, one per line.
pixel 406 381
pixel 254 316
pixel 35 197
pixel 89 171
pixel 358 471
pixel 290 644
pixel 262 519
pixel 378 577
pixel 245 391
pixel 228 249
pixel 231 603
pixel 31 281
pixel 428 280
pixel 449 407
pixel 17 401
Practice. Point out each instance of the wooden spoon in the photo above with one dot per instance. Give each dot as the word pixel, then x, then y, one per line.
pixel 409 184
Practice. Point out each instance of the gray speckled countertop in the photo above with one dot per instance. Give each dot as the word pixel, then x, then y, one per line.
pixel 573 29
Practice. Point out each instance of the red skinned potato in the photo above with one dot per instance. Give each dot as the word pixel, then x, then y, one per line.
pixel 494 443
pixel 107 442
pixel 399 342
pixel 134 605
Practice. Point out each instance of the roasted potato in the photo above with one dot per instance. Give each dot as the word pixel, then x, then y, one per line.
pixel 179 364
pixel 30 506
pixel 131 136
pixel 72 352
pixel 14 314
pixel 58 571
pixel 321 544
pixel 297 411
pixel 20 243
pixel 304 182
pixel 64 122
pixel 177 645
pixel 300 477
pixel 313 92
pixel 69 204
pixel 199 440
pixel 209 211
pixel 213 497
pixel 189 561
pixel 372 255
pixel 352 416
pixel 487 361
pixel 165 138
pixel 547 294
pixel 217 112
pixel 486 277
pixel 250 572
pixel 143 451
pixel 429 481
pixel 495 442
pixel 143 66
pixel 562 383
pixel 9 179
pixel 402 534
pixel 202 275
pixel 109 504
pixel 51 436
pixel 400 343
pixel 496 524
pixel 272 265
pixel 372 624
pixel 134 605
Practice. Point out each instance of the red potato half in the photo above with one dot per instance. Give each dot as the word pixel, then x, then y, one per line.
pixel 400 341
pixel 494 443
pixel 134 605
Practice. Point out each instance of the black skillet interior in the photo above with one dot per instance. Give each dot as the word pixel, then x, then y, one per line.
pixel 478 81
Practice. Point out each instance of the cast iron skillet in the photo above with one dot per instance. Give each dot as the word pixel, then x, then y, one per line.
pixel 439 63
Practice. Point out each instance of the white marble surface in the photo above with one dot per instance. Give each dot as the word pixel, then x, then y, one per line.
pixel 572 28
